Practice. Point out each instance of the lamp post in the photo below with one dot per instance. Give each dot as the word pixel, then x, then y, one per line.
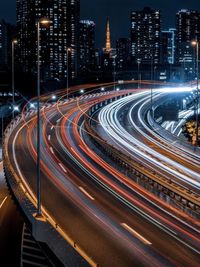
pixel 44 22
pixel 114 71
pixel 152 86
pixel 2 126
pixel 196 44
pixel 14 42
pixel 139 73
pixel 69 50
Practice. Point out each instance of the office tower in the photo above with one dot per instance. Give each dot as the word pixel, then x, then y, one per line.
pixel 123 49
pixel 145 36
pixel 86 45
pixel 188 29
pixel 168 46
pixel 55 39
pixel 97 62
pixel 3 44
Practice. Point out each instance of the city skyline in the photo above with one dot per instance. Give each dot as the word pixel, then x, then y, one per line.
pixel 100 133
pixel 119 27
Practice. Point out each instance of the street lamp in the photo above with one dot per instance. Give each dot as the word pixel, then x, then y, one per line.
pixel 2 126
pixel 69 50
pixel 114 70
pixel 196 44
pixel 43 22
pixel 14 42
pixel 16 108
pixel 139 73
pixel 151 86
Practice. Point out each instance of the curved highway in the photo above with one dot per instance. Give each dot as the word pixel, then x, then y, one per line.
pixel 114 221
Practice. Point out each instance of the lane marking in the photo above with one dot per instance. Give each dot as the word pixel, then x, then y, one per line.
pixel 62 167
pixel 136 234
pixel 49 137
pixel 52 127
pixel 51 149
pixel 86 193
pixel 3 202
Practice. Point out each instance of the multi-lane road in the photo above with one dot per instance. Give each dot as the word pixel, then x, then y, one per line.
pixel 114 220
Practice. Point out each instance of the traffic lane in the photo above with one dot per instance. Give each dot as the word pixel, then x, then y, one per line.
pixel 29 174
pixel 57 150
pixel 122 214
pixel 109 248
pixel 181 221
pixel 76 144
pixel 147 154
pixel 176 154
pixel 139 159
pixel 99 165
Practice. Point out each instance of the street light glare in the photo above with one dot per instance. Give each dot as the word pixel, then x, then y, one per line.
pixel 32 105
pixel 44 21
pixel 16 108
pixel 15 41
pixel 194 43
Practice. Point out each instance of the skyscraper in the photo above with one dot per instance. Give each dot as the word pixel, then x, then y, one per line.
pixel 3 44
pixel 123 51
pixel 86 45
pixel 60 35
pixel 188 29
pixel 168 39
pixel 145 36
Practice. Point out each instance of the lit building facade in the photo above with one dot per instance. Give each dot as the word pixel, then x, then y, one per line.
pixel 123 52
pixel 3 44
pixel 168 46
pixel 145 36
pixel 60 35
pixel 86 45
pixel 188 29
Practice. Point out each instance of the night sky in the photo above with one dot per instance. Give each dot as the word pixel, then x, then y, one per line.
pixel 117 10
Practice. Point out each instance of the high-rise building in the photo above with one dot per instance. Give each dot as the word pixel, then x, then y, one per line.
pixel 168 46
pixel 123 52
pixel 86 45
pixel 188 29
pixel 145 36
pixel 3 44
pixel 55 39
pixel 97 62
